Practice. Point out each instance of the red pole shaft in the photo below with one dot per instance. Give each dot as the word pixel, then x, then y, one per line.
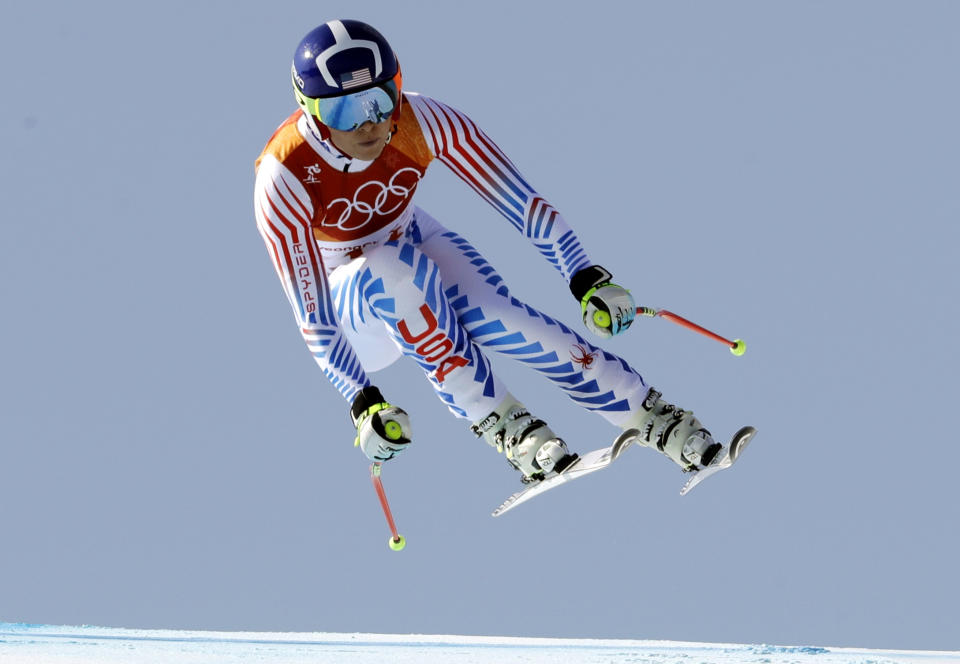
pixel 680 320
pixel 378 485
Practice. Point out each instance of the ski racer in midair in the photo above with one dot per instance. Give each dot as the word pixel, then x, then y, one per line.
pixel 371 276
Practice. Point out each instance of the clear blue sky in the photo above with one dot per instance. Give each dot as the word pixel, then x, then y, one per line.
pixel 170 456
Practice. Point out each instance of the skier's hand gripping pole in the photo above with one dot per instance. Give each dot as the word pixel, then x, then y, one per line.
pixel 737 346
pixel 397 542
pixel 607 309
pixel 383 430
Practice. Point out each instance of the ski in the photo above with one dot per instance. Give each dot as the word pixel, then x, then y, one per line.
pixel 601 458
pixel 737 444
pixel 585 465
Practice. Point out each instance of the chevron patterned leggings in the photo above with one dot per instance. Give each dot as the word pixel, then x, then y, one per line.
pixel 444 306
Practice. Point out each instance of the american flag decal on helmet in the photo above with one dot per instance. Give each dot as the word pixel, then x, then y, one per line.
pixel 355 79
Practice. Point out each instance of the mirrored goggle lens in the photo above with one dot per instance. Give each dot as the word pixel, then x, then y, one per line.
pixel 349 112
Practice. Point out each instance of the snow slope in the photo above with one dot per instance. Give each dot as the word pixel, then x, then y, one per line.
pixel 46 644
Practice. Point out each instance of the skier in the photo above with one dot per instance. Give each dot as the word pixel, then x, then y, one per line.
pixel 371 276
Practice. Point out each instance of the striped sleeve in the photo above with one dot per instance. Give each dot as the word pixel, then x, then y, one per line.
pixel 455 140
pixel 283 211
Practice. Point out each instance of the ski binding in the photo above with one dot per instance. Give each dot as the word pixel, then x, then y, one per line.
pixel 590 462
pixel 737 444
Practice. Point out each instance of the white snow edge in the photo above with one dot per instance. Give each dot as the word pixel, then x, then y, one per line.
pixel 333 638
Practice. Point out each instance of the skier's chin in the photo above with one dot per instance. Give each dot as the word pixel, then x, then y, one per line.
pixel 370 152
pixel 365 143
pixel 365 151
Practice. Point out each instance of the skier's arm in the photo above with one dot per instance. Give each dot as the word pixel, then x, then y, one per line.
pixel 456 140
pixel 283 211
pixel 466 150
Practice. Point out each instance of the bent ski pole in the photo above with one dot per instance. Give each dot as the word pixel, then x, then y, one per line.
pixel 397 542
pixel 737 346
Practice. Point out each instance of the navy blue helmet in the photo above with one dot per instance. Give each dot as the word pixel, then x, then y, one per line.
pixel 345 74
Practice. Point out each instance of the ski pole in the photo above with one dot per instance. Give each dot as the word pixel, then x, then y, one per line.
pixel 397 542
pixel 737 346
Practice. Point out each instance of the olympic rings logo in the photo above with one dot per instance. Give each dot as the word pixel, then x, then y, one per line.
pixel 382 203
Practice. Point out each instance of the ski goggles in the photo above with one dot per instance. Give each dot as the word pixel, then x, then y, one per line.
pixel 347 112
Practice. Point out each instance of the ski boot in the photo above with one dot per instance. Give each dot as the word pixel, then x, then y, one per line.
pixel 675 432
pixel 530 445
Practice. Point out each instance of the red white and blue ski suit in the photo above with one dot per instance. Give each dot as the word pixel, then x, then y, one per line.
pixel 371 276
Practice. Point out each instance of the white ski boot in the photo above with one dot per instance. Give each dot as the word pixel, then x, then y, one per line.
pixel 675 432
pixel 530 445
